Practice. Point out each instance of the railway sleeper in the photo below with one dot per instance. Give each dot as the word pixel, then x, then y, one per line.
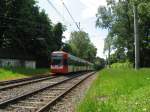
pixel 22 106
pixel 31 102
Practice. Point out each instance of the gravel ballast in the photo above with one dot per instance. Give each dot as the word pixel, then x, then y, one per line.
pixel 70 101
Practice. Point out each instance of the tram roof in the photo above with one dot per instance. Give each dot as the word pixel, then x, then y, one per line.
pixel 71 56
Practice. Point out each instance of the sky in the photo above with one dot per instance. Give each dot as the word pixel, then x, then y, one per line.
pixel 83 11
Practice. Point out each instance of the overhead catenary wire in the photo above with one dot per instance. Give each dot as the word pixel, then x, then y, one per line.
pixel 66 21
pixel 70 15
pixel 32 22
pixel 54 8
pixel 61 16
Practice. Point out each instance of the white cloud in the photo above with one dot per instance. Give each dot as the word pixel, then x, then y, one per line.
pixel 91 7
pixel 67 36
pixel 99 43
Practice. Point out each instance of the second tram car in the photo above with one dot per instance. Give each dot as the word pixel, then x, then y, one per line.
pixel 62 62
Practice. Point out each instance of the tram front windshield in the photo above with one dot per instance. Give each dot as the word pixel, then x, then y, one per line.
pixel 57 60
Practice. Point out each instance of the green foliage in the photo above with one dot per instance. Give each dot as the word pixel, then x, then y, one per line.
pixel 16 73
pixel 57 32
pixel 122 65
pixel 25 28
pixel 67 48
pixel 81 46
pixel 118 90
pixel 99 63
pixel 104 18
pixel 117 17
pixel 108 43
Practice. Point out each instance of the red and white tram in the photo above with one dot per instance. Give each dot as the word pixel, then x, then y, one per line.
pixel 62 62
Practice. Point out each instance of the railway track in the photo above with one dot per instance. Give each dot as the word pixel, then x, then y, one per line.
pixel 22 82
pixel 40 99
pixel 9 82
pixel 15 90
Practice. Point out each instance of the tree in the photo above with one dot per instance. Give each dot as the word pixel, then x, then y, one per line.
pixel 108 46
pixel 81 46
pixel 99 63
pixel 25 28
pixel 117 17
pixel 2 23
pixel 104 18
pixel 57 33
pixel 67 48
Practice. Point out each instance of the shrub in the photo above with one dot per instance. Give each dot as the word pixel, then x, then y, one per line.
pixel 122 65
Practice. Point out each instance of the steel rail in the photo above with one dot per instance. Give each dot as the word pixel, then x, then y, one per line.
pixel 14 99
pixel 2 83
pixel 51 103
pixel 26 82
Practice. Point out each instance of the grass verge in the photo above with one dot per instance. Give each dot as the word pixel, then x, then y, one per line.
pixel 118 90
pixel 122 65
pixel 16 73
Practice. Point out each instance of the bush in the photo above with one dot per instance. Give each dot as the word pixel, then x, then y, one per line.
pixel 122 65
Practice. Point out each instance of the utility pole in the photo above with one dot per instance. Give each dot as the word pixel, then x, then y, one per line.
pixel 136 38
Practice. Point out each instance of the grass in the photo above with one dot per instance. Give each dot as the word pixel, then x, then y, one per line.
pixel 118 90
pixel 16 73
pixel 122 65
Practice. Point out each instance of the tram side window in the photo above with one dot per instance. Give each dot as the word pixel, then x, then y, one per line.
pixel 65 62
pixel 71 62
